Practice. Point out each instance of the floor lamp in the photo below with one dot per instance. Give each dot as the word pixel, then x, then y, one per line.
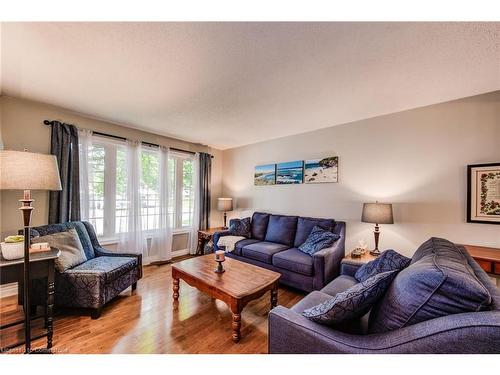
pixel 27 171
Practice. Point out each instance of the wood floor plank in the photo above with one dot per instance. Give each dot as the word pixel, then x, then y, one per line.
pixel 147 321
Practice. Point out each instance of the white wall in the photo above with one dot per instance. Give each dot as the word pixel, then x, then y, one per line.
pixel 415 159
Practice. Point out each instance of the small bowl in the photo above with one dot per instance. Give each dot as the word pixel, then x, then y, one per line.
pixel 13 250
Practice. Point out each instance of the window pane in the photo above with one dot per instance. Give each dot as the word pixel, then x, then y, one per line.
pixel 96 189
pixel 121 218
pixel 187 192
pixel 171 193
pixel 150 198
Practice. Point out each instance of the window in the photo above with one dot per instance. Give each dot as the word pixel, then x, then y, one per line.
pixel 108 188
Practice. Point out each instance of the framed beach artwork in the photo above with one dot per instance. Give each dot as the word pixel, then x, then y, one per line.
pixel 265 175
pixel 318 171
pixel 291 172
pixel 483 193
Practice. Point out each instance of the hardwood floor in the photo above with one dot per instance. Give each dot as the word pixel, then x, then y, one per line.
pixel 147 322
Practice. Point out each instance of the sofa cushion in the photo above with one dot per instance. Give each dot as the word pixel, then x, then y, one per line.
pixel 318 239
pixel 281 229
pixel 312 299
pixel 441 282
pixel 110 267
pixel 294 260
pixel 241 244
pixel 68 242
pixel 352 303
pixel 387 261
pixel 306 224
pixel 240 227
pixel 262 251
pixel 339 285
pixel 259 225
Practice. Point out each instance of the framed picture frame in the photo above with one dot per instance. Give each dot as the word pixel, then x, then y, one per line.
pixel 483 193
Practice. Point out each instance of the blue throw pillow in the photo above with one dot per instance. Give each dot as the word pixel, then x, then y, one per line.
pixel 352 303
pixel 318 239
pixel 387 261
pixel 240 227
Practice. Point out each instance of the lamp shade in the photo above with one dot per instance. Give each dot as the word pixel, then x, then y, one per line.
pixel 377 213
pixel 224 204
pixel 21 170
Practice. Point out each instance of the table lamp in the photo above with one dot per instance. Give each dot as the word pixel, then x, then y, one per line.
pixel 22 170
pixel 225 204
pixel 377 213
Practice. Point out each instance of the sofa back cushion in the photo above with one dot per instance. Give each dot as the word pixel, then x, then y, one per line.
pixel 281 229
pixel 69 244
pixel 306 224
pixel 439 282
pixel 259 225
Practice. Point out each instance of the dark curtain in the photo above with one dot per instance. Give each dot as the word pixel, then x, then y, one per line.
pixel 64 205
pixel 204 190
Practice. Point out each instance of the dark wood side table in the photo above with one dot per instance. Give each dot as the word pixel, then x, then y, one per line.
pixel 365 258
pixel 205 236
pixel 42 265
pixel 487 257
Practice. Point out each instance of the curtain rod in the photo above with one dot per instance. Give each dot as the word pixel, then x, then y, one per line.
pixel 47 122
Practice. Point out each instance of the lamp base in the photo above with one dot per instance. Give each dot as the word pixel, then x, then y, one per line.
pixel 375 252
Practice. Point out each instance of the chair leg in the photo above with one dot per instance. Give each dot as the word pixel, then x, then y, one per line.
pixel 96 313
pixel 134 286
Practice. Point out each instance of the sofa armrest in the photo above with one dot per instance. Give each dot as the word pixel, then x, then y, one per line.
pixel 99 251
pixel 218 235
pixel 478 332
pixel 348 267
pixel 327 264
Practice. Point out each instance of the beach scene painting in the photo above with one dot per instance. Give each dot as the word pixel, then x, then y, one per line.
pixel 321 170
pixel 291 172
pixel 265 175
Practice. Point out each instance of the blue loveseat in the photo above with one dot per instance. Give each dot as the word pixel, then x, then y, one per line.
pixel 274 243
pixel 93 283
pixel 476 331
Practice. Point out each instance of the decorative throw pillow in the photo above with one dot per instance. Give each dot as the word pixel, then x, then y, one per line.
pixel 240 227
pixel 318 239
pixel 69 244
pixel 352 303
pixel 387 261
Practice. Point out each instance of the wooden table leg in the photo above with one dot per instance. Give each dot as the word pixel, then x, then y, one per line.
pixel 50 305
pixel 274 296
pixel 236 325
pixel 175 281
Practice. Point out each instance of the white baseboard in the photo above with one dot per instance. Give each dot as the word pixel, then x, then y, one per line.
pixel 8 290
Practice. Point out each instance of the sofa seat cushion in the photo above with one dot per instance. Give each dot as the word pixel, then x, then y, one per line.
pixel 263 251
pixel 306 224
pixel 339 285
pixel 111 267
pixel 259 225
pixel 281 229
pixel 241 244
pixel 294 260
pixel 439 283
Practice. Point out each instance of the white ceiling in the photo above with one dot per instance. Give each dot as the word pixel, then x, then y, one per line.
pixel 230 84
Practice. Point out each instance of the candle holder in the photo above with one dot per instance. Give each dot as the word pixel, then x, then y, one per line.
pixel 219 268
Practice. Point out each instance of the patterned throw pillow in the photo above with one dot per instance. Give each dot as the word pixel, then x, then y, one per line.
pixel 317 240
pixel 352 303
pixel 240 227
pixel 387 261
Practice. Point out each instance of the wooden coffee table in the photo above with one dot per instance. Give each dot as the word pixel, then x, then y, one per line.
pixel 238 285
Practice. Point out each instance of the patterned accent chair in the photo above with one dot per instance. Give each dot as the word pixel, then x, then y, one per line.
pixel 93 283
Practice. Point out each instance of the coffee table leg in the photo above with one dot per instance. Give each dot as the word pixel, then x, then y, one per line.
pixel 236 326
pixel 274 296
pixel 176 288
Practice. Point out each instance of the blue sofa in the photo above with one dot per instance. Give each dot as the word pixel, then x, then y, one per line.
pixel 470 332
pixel 274 245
